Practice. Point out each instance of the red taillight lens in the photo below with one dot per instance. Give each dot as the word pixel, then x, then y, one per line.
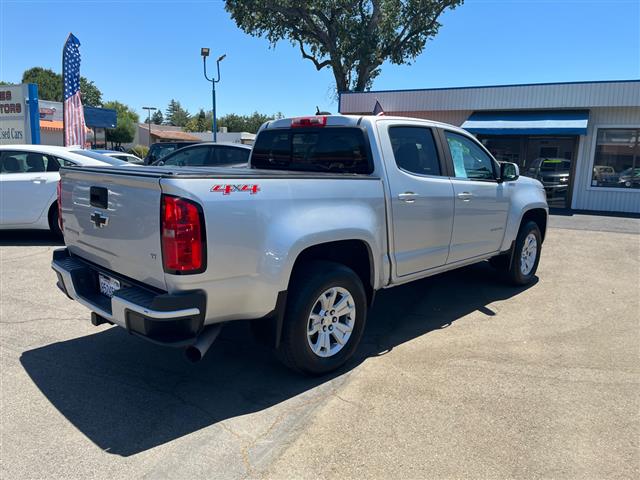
pixel 60 205
pixel 182 236
pixel 302 122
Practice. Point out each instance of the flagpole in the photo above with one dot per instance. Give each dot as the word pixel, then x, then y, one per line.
pixel 64 116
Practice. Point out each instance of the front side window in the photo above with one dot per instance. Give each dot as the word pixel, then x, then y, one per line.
pixel 27 162
pixel 414 150
pixel 469 160
pixel 617 158
pixel 335 150
pixel 188 157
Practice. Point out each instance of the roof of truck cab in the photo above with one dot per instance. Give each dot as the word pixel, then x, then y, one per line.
pixel 355 120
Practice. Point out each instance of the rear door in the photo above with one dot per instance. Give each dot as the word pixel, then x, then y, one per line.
pixel 28 182
pixel 421 197
pixel 113 220
pixel 481 202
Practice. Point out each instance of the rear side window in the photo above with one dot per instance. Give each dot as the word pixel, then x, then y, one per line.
pixel 188 157
pixel 336 150
pixel 415 150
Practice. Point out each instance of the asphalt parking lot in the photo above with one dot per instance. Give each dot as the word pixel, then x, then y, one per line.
pixel 458 376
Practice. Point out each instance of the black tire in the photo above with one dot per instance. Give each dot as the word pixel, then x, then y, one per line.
pixel 54 224
pixel 307 284
pixel 515 273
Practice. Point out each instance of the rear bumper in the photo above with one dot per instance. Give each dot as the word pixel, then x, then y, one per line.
pixel 168 319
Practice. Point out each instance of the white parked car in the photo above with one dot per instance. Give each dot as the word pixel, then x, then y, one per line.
pixel 29 179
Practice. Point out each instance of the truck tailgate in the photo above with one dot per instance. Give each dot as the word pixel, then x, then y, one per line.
pixel 113 220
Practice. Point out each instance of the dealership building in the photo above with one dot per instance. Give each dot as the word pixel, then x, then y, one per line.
pixel 582 140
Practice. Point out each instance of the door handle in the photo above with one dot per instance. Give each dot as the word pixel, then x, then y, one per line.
pixel 408 197
pixel 465 196
pixel 39 180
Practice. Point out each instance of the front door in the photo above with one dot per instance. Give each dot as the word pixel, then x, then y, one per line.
pixel 481 203
pixel 421 198
pixel 26 187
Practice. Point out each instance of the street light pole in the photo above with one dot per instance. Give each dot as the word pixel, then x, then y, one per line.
pixel 205 53
pixel 149 109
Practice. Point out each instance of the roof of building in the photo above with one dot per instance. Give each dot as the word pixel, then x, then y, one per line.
pixel 616 93
pixel 52 125
pixel 173 135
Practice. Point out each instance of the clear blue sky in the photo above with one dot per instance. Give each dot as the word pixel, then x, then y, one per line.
pixel 147 52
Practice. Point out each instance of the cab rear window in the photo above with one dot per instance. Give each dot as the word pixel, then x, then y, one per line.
pixel 335 150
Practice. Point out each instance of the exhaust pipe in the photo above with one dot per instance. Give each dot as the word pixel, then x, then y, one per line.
pixel 202 344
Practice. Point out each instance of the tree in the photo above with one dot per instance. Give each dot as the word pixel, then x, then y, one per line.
pixel 176 115
pixel 245 123
pixel 353 37
pixel 127 119
pixel 157 118
pixel 50 86
pixel 198 123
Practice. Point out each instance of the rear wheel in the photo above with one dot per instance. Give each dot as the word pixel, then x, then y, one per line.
pixel 526 254
pixel 325 318
pixel 54 221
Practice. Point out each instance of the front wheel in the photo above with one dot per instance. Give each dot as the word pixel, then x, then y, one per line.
pixel 526 254
pixel 325 317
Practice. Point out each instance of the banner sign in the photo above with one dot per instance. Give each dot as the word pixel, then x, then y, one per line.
pixel 18 104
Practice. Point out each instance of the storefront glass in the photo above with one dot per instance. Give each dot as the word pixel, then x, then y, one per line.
pixel 616 162
pixel 547 159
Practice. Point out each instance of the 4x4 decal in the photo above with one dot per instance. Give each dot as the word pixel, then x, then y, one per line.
pixel 228 189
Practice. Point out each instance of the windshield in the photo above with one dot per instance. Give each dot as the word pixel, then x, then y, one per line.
pixel 159 151
pixel 98 156
pixel 555 165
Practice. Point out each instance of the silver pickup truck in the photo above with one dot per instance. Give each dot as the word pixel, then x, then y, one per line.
pixel 332 209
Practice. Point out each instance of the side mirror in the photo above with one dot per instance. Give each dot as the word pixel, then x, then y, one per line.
pixel 509 172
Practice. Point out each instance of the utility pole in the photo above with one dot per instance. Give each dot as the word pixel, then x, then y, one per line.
pixel 149 109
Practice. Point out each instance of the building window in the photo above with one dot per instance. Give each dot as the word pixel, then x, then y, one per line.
pixel 617 158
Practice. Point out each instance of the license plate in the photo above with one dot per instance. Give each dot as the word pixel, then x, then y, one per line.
pixel 108 285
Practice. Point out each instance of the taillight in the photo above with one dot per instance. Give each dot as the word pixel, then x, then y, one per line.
pixel 301 122
pixel 183 246
pixel 60 223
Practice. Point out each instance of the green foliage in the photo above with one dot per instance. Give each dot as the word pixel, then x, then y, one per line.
pixel 91 95
pixel 157 118
pixel 127 123
pixel 176 115
pixel 139 151
pixel 353 37
pixel 2 82
pixel 50 86
pixel 198 123
pixel 245 123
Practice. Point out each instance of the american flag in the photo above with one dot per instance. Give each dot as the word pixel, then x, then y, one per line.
pixel 74 126
pixel 377 110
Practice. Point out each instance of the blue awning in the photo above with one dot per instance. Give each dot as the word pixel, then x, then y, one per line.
pixel 100 117
pixel 551 122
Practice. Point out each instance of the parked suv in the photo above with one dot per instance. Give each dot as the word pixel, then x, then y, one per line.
pixel 554 173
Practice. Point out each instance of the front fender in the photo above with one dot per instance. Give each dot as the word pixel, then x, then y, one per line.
pixel 527 194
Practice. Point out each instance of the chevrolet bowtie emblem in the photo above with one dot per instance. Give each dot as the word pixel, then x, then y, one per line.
pixel 99 220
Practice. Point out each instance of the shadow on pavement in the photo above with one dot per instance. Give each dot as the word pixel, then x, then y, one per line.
pixel 28 238
pixel 128 395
